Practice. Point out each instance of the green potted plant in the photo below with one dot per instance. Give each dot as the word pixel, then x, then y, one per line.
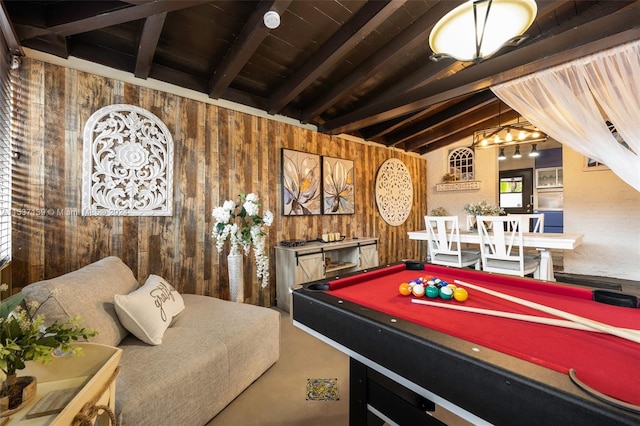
pixel 439 211
pixel 24 337
pixel 449 177
pixel 483 208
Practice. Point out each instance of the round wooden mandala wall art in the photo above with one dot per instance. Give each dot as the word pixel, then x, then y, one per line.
pixel 394 192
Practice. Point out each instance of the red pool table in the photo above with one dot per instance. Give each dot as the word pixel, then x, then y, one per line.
pixel 405 357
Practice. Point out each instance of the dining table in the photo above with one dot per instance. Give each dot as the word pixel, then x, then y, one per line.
pixel 543 242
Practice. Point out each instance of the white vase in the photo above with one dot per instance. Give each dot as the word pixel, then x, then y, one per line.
pixel 236 277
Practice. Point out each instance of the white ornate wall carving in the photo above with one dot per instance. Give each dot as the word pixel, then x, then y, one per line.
pixel 394 192
pixel 127 163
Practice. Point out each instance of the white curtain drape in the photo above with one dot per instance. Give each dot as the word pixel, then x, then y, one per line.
pixel 572 102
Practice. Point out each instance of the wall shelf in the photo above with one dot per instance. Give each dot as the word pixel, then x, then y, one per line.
pixel 333 267
pixel 463 185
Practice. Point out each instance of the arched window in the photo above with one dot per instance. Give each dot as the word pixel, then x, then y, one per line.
pixel 461 163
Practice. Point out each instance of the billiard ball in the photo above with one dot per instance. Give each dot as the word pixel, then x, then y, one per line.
pixel 446 293
pixel 432 291
pixel 460 294
pixel 418 290
pixel 404 289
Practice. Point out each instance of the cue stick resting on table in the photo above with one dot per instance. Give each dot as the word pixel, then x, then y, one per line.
pixel 634 336
pixel 511 315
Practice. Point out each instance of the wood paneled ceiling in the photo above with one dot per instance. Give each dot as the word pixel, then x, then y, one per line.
pixel 355 67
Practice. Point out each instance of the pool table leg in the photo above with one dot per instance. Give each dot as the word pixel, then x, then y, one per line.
pixel 372 394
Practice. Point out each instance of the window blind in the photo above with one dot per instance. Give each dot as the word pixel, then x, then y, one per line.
pixel 5 154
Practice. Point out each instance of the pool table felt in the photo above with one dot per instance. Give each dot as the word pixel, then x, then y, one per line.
pixel 607 363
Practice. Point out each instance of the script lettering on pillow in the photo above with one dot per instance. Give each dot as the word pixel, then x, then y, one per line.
pixel 148 311
pixel 161 294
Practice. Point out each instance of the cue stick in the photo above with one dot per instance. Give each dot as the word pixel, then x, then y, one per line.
pixel 605 328
pixel 512 315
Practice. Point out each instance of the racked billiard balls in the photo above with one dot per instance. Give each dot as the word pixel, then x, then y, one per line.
pixel 446 293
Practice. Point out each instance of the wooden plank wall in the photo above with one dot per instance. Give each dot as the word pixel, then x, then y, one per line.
pixel 218 153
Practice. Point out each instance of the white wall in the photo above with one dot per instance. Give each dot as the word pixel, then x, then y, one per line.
pixel 607 211
pixel 486 171
pixel 596 203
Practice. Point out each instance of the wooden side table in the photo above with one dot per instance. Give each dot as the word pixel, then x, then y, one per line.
pixel 94 373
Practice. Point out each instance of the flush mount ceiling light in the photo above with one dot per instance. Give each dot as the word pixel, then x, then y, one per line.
pixel 477 29
pixel 271 19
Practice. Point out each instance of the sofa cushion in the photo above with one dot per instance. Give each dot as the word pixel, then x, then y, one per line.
pixel 209 355
pixel 87 292
pixel 184 381
pixel 148 311
pixel 250 333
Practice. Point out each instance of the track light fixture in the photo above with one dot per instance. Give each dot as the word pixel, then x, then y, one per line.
pixel 503 136
pixel 501 156
pixel 517 153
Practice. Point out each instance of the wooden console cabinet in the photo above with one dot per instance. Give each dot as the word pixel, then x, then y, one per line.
pixel 316 261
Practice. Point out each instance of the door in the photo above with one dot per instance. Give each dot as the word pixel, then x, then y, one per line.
pixel 516 191
pixel 310 268
pixel 368 256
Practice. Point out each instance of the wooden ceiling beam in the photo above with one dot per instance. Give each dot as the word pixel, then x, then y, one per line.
pixel 349 35
pixel 102 55
pixel 431 144
pixel 605 32
pixel 470 120
pixel 376 132
pixel 462 134
pixel 475 102
pixel 245 45
pixel 409 39
pixel 95 20
pixel 148 43
pixel 431 72
pixel 52 44
pixel 9 33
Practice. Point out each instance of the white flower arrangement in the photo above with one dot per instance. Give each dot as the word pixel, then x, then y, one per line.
pixel 242 225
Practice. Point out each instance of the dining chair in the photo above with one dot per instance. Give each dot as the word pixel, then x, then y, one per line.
pixel 501 246
pixel 444 243
pixel 533 222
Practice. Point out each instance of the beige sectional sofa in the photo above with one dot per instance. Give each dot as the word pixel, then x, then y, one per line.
pixel 211 351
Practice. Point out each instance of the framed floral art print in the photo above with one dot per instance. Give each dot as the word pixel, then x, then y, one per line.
pixel 338 192
pixel 301 185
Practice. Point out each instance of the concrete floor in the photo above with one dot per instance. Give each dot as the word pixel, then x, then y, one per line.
pixel 278 397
